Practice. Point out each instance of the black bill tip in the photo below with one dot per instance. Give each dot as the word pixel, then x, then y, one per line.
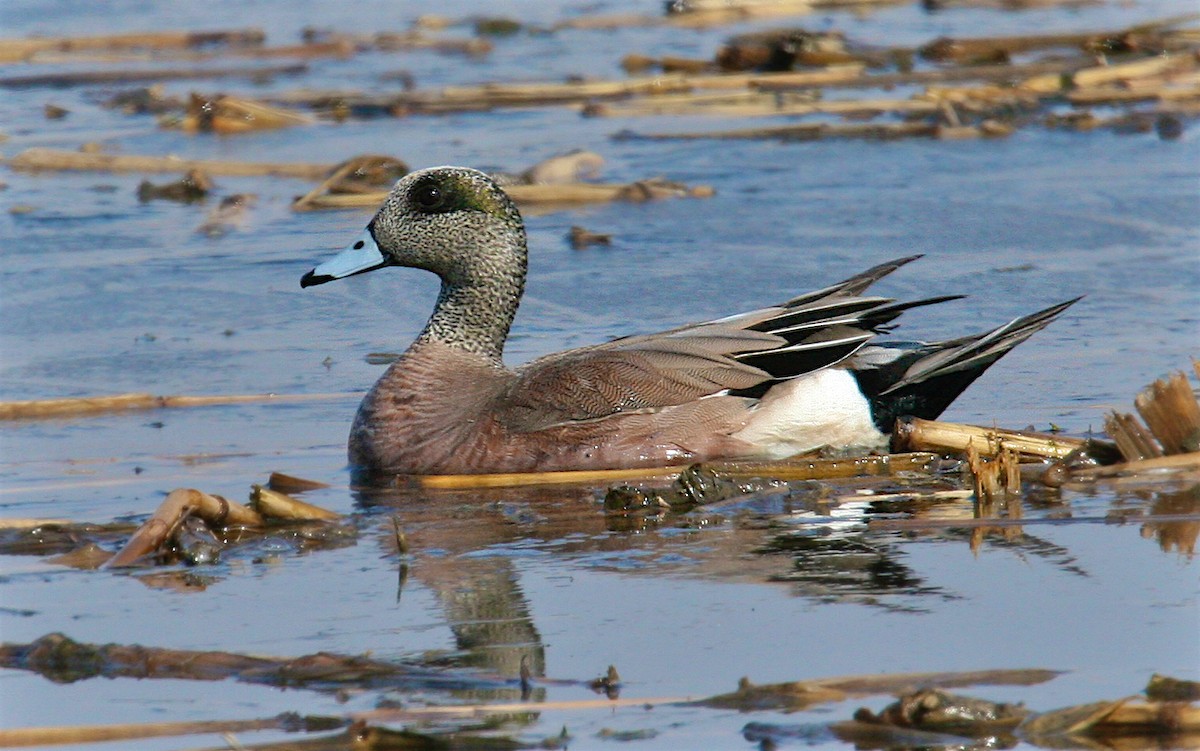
pixel 312 279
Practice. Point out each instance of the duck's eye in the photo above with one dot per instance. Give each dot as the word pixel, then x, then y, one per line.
pixel 429 197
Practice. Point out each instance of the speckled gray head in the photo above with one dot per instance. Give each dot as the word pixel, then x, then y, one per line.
pixel 427 220
pixel 457 223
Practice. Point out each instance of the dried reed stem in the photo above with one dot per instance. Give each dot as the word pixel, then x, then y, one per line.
pixel 1170 409
pixel 1159 464
pixel 39 159
pixel 138 75
pixel 787 469
pixel 534 196
pixel 1133 440
pixel 16 50
pixel 180 503
pixel 916 434
pixel 90 405
pixel 78 734
pixel 271 504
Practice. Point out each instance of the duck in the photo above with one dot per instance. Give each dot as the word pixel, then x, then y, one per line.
pixel 818 371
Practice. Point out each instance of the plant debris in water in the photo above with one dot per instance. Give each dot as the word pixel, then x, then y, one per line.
pixel 931 714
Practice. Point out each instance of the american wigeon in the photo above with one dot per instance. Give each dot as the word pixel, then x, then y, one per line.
pixel 807 373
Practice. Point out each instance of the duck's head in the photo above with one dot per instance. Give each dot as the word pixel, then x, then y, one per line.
pixel 453 221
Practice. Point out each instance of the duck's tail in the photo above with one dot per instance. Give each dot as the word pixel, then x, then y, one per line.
pixel 922 379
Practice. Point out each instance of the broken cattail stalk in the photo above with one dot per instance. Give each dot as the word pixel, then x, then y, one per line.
pixel 1001 473
pixel 1132 439
pixel 271 504
pixel 1136 718
pixel 1170 409
pixel 75 407
pixel 214 510
pixel 290 484
pixel 1010 466
pixel 985 477
pixel 916 434
pixel 39 159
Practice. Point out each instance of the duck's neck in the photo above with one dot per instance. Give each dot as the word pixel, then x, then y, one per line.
pixel 477 305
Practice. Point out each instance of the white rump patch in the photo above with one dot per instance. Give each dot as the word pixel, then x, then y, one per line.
pixel 825 408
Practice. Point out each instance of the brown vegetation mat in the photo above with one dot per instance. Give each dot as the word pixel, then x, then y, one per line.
pixel 1137 79
pixel 924 710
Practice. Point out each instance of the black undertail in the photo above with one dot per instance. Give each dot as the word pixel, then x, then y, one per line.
pixel 924 379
